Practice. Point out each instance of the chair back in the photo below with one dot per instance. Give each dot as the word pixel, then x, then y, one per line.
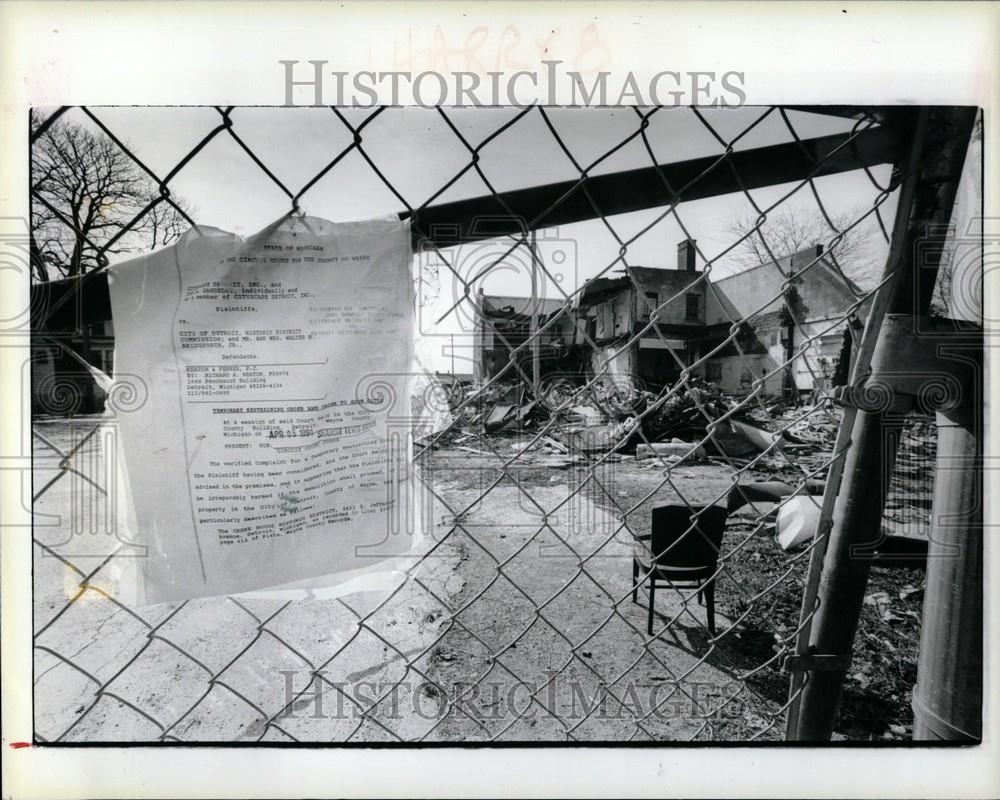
pixel 681 539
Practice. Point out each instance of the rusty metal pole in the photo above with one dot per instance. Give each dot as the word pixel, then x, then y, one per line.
pixel 940 139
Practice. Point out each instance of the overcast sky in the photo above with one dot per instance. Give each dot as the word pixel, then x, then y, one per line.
pixel 418 152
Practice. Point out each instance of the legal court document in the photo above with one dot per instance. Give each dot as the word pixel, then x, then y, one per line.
pixel 271 444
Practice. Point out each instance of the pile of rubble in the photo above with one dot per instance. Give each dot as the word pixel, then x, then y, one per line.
pixel 594 419
pixel 809 433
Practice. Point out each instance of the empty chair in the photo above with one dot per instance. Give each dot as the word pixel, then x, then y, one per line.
pixel 683 545
pixel 682 548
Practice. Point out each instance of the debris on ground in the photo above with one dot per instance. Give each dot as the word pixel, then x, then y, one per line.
pixel 730 443
pixel 557 444
pixel 583 415
pixel 758 437
pixel 602 417
pixel 815 429
pixel 685 413
pixel 596 438
pixel 675 448
pixel 505 415
pixel 499 416
pixel 697 421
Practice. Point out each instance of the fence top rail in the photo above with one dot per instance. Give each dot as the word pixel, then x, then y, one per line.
pixel 66 304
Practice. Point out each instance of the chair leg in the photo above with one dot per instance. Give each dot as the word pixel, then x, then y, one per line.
pixel 652 596
pixel 635 581
pixel 701 596
pixel 709 589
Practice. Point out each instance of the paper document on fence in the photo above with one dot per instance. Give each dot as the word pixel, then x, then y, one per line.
pixel 271 445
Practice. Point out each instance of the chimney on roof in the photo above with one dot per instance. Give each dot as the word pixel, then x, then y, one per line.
pixel 685 255
pixel 806 256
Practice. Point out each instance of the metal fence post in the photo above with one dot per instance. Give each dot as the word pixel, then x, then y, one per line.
pixel 856 522
pixel 940 141
pixel 948 699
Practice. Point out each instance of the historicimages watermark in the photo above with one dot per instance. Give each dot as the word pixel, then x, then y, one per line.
pixel 311 82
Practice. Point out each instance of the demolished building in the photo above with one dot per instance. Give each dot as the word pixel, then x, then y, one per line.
pixel 643 328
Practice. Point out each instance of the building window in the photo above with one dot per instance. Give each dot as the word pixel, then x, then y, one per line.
pixel 692 306
pixel 650 304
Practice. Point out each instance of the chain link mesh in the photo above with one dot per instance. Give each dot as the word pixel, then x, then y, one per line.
pixel 525 619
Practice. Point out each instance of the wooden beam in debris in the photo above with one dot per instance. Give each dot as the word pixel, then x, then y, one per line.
pixel 513 213
pixel 65 305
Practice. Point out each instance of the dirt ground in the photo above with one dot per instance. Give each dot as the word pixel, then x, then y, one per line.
pixel 759 594
pixel 513 623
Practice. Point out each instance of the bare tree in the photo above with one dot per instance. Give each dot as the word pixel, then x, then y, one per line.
pixel 786 231
pixel 85 191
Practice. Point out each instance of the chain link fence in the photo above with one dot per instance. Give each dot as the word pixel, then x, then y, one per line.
pixel 601 420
